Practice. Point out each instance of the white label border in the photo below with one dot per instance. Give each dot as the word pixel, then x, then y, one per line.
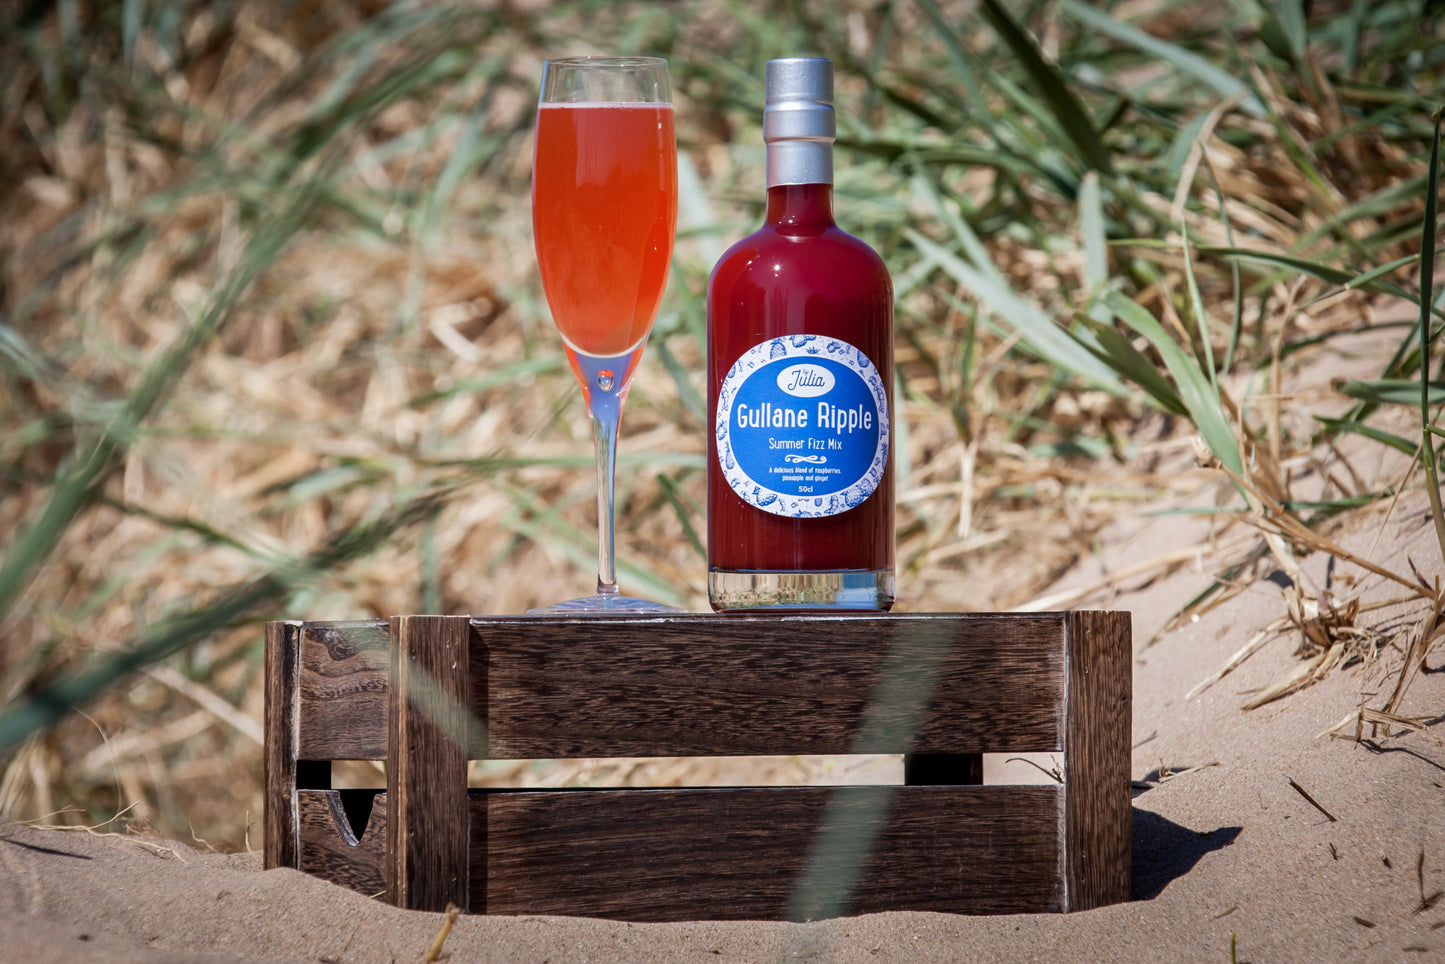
pixel 800 506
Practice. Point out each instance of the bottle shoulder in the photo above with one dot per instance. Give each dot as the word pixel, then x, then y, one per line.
pixel 770 238
pixel 771 255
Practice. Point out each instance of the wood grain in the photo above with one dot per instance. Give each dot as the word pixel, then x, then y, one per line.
pixel 726 685
pixel 738 853
pixel 278 769
pixel 331 851
pixel 757 685
pixel 426 774
pixel 1097 824
pixel 940 689
pixel 343 690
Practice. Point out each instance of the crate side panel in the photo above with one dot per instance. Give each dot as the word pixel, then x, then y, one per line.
pixel 740 853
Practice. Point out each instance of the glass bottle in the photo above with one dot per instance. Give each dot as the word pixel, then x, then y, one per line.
pixel 800 384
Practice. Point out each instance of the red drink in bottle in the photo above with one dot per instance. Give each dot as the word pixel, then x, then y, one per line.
pixel 800 363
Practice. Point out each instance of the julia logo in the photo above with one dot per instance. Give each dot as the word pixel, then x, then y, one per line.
pixel 806 381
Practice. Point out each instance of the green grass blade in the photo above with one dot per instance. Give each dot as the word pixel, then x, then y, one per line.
pixel 959 58
pixel 1380 204
pixel 1384 269
pixel 550 528
pixel 18 357
pixel 506 375
pixel 472 150
pixel 967 237
pixel 1114 350
pixel 1363 279
pixel 1224 83
pixel 1051 342
pixel 1201 320
pixel 1389 391
pixel 682 378
pixel 1339 426
pixel 1067 110
pixel 1183 143
pixel 132 15
pixel 1092 233
pixel 1200 398
pixel 902 434
pixel 240 602
pixel 1428 237
pixel 1324 272
pixel 1236 322
pixel 685 509
pixel 1290 16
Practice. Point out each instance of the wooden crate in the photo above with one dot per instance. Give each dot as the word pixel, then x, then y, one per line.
pixel 426 693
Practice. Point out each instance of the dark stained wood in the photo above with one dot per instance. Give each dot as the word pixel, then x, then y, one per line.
pixel 699 684
pixel 744 685
pixel 426 773
pixel 942 769
pixel 331 851
pixel 478 859
pixel 739 853
pixel 278 776
pixel 343 690
pixel 1097 826
pixel 941 689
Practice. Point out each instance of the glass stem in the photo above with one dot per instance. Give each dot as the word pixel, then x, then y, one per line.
pixel 604 439
pixel 604 380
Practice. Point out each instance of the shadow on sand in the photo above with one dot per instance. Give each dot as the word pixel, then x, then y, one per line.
pixel 1165 851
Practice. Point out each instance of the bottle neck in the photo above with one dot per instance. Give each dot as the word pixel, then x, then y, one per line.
pixel 799 159
pixel 800 207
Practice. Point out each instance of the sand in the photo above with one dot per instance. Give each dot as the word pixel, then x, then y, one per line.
pixel 1229 857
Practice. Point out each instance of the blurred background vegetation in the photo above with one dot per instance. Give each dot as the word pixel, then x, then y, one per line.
pixel 272 342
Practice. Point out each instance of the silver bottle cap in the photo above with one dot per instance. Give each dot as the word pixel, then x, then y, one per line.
pixel 798 121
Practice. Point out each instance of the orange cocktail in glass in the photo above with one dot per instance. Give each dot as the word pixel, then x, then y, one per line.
pixel 604 213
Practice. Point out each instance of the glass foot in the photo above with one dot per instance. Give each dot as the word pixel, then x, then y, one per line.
pixel 605 604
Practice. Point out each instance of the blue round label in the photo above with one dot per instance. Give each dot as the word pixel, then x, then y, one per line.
pixel 802 426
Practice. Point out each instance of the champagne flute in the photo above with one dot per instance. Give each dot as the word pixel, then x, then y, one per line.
pixel 604 213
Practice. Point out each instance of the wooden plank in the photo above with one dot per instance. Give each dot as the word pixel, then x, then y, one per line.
pixel 426 774
pixel 738 853
pixel 701 684
pixel 343 690
pixel 758 685
pixel 330 850
pixel 1097 826
pixel 278 768
pixel 477 843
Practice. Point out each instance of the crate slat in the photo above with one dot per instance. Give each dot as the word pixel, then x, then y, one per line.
pixel 733 854
pixel 738 686
pixel 426 775
pixel 1096 760
pixel 713 685
pixel 330 850
pixel 342 690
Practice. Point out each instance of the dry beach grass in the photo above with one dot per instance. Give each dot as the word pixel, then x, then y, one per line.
pixel 272 344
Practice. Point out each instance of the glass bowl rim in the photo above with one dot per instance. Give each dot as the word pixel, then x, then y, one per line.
pixel 594 61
